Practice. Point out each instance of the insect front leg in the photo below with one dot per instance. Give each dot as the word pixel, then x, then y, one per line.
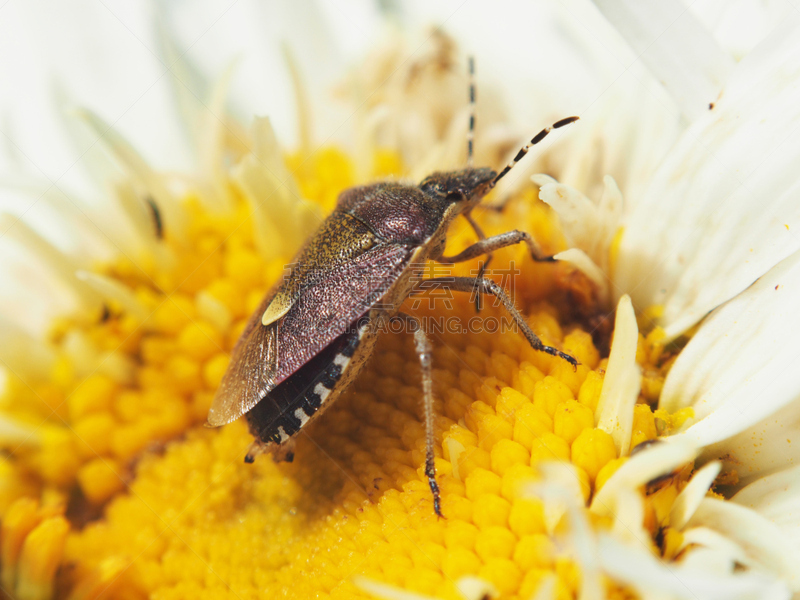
pixel 486 246
pixel 490 244
pixel 424 351
pixel 486 286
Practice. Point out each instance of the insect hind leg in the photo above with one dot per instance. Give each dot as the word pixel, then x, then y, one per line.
pixel 422 345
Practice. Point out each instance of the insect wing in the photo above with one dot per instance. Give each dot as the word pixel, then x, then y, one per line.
pixel 254 366
pixel 328 303
pixel 294 401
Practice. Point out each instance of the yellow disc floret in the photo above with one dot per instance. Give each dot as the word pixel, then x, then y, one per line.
pixel 184 517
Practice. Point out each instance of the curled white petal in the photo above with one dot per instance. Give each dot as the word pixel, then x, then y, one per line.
pixel 776 497
pixel 707 560
pixel 691 496
pixel 622 380
pixel 644 466
pixel 715 542
pixel 581 261
pixel 761 539
pixel 652 578
pixel 587 225
pixel 765 447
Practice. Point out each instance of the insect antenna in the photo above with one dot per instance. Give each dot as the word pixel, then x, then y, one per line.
pixel 535 140
pixel 471 130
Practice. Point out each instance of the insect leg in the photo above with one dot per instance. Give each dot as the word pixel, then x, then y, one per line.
pixel 489 287
pixel 489 245
pixel 424 351
pixel 481 236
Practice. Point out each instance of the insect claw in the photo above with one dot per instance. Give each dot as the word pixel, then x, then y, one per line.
pixel 254 450
pixel 555 352
pixel 570 360
pixel 550 259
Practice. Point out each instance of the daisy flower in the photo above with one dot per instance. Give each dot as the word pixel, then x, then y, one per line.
pixel 138 241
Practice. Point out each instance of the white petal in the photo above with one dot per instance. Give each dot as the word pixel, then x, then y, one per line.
pixel 215 125
pixel 765 447
pixel 715 541
pixel 385 591
pixel 654 579
pixel 644 466
pixel 14 434
pixel 627 507
pixel 622 380
pixel 213 311
pixel 707 560
pixel 113 289
pixel 137 167
pixel 61 217
pixel 585 548
pixel 739 25
pixel 739 371
pixel 547 588
pixel 190 87
pixel 102 54
pixel 581 261
pixel 24 354
pixel 61 266
pixel 761 539
pixel 676 48
pixel 282 218
pixel 691 496
pixel 775 496
pixel 470 588
pixel 722 209
pixel 587 225
pixel 559 489
pixel 475 588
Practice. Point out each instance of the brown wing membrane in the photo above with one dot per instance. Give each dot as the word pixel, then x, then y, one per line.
pixel 255 365
pixel 329 300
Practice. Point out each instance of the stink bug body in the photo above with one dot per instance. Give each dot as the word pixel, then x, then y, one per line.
pixel 315 330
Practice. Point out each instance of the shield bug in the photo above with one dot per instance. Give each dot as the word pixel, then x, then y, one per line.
pixel 314 330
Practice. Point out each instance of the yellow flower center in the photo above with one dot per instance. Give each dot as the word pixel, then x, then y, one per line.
pixel 183 516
